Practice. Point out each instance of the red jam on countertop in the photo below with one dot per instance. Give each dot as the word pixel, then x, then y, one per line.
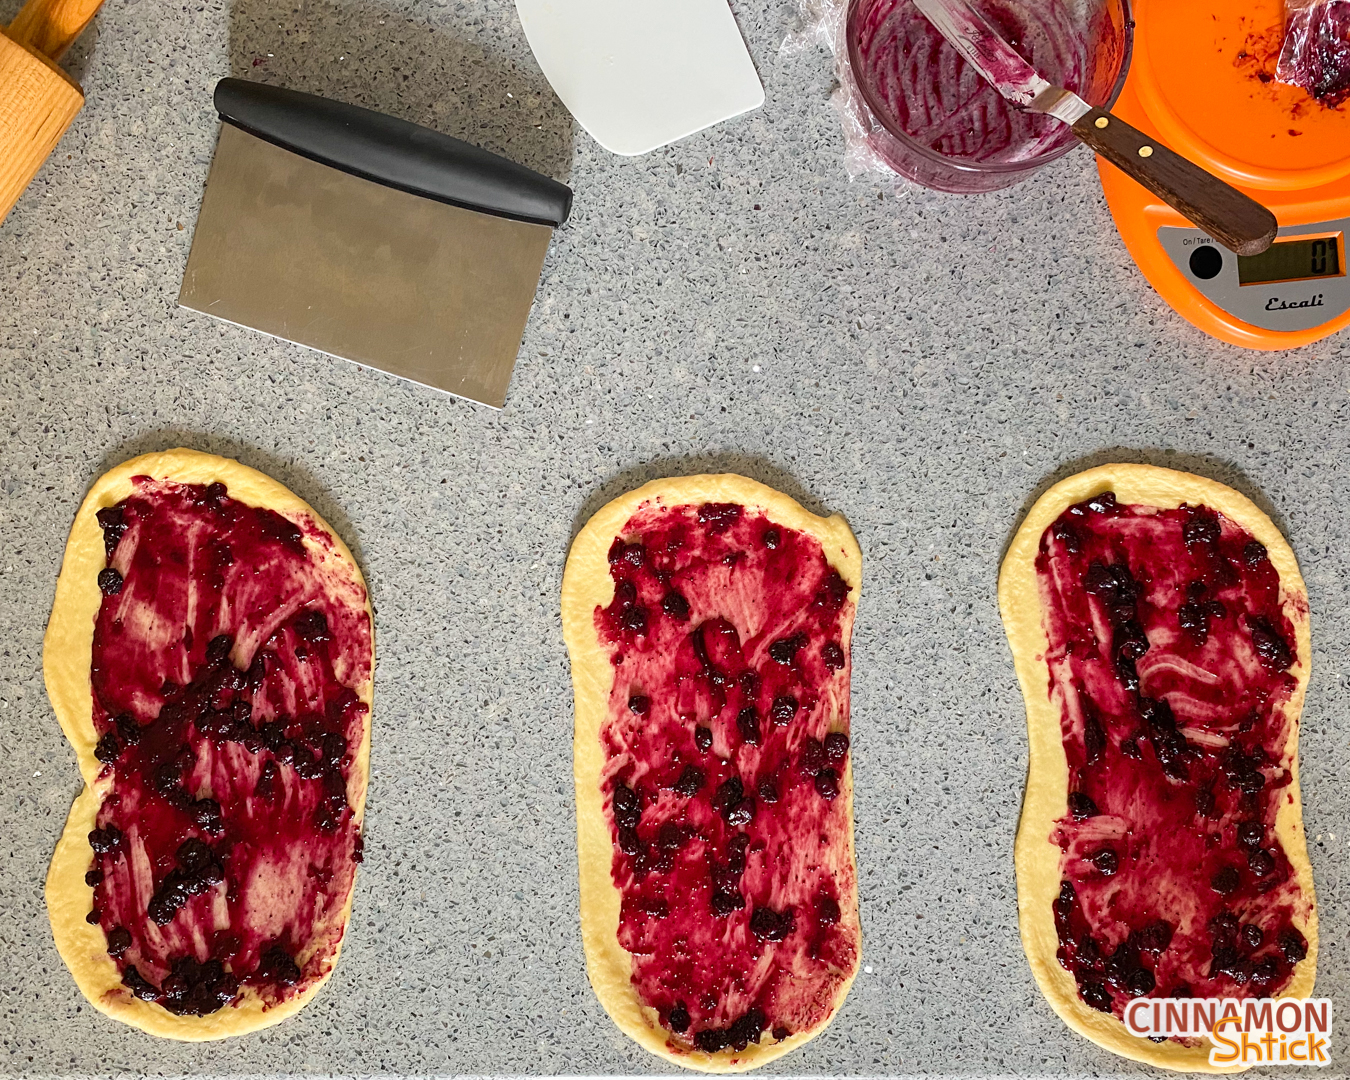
pixel 1169 659
pixel 726 743
pixel 226 652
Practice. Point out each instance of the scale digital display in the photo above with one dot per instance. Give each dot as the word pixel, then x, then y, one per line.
pixel 1300 259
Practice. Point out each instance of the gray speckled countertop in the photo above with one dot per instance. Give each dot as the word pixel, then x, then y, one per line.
pixel 923 364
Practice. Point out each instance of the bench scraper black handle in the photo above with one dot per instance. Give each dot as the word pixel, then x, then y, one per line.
pixel 393 152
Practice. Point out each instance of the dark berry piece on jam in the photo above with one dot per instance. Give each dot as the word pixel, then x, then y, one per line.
pixel 1251 833
pixel 729 792
pixel 616 550
pixel 216 491
pixel 1155 937
pixel 780 1033
pixel 741 814
pixel 1269 644
pixel 278 966
pixel 836 747
pixel 768 925
pixel 108 748
pixel 629 841
pixel 772 538
pixel 112 521
pixel 1260 861
pixel 93 877
pixel 634 555
pixel 312 625
pixel 1081 806
pixel 1140 981
pixel 782 711
pixel 767 791
pixel 1097 996
pixel 671 837
pixel 109 582
pixel 625 593
pixel 724 903
pixel 813 757
pixel 1067 535
pixel 690 782
pixel 711 1040
pixel 1201 527
pixel 784 650
pixel 627 806
pixel 1130 748
pixel 1252 935
pixel 747 723
pixel 676 606
pixel 1204 802
pixel 1254 554
pixel 640 704
pixel 139 985
pixel 832 655
pixel 703 739
pixel 634 619
pixel 679 1018
pixel 127 729
pixel 93 917
pixel 749 684
pixel 1106 861
pixel 1294 945
pixel 219 647
pixel 833 592
pixel 827 784
pixel 827 910
pixel 1225 881
pixel 747 1029
pixel 206 813
pixel 1105 503
pixel 119 941
pixel 106 839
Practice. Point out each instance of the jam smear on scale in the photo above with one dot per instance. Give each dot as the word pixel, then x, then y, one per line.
pixel 725 744
pixel 225 655
pixel 1168 658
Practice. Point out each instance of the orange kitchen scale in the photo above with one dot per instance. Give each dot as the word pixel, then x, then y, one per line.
pixel 1202 82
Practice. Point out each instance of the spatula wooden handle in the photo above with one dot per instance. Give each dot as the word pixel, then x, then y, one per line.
pixel 50 27
pixel 1235 220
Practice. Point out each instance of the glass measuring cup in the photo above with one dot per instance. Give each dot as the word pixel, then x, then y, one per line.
pixel 931 117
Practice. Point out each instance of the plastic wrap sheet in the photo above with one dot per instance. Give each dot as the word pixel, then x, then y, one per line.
pixel 1316 50
pixel 822 23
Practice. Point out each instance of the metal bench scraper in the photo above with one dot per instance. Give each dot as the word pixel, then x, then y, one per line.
pixel 370 238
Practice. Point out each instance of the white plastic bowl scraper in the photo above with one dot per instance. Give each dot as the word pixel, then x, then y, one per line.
pixel 638 74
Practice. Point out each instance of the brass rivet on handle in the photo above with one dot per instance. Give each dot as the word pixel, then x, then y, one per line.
pixel 1102 121
pixel 1146 151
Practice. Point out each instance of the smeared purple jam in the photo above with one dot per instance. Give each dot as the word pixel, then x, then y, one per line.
pixel 726 742
pixel 224 672
pixel 1169 656
pixel 924 87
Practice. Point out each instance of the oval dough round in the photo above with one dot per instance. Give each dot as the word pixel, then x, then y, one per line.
pixel 1037 857
pixel 587 585
pixel 66 657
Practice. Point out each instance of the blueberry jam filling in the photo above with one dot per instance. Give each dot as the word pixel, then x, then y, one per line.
pixel 730 842
pixel 225 850
pixel 1169 656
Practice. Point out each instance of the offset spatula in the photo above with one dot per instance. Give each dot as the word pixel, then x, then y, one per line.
pixel 1233 219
